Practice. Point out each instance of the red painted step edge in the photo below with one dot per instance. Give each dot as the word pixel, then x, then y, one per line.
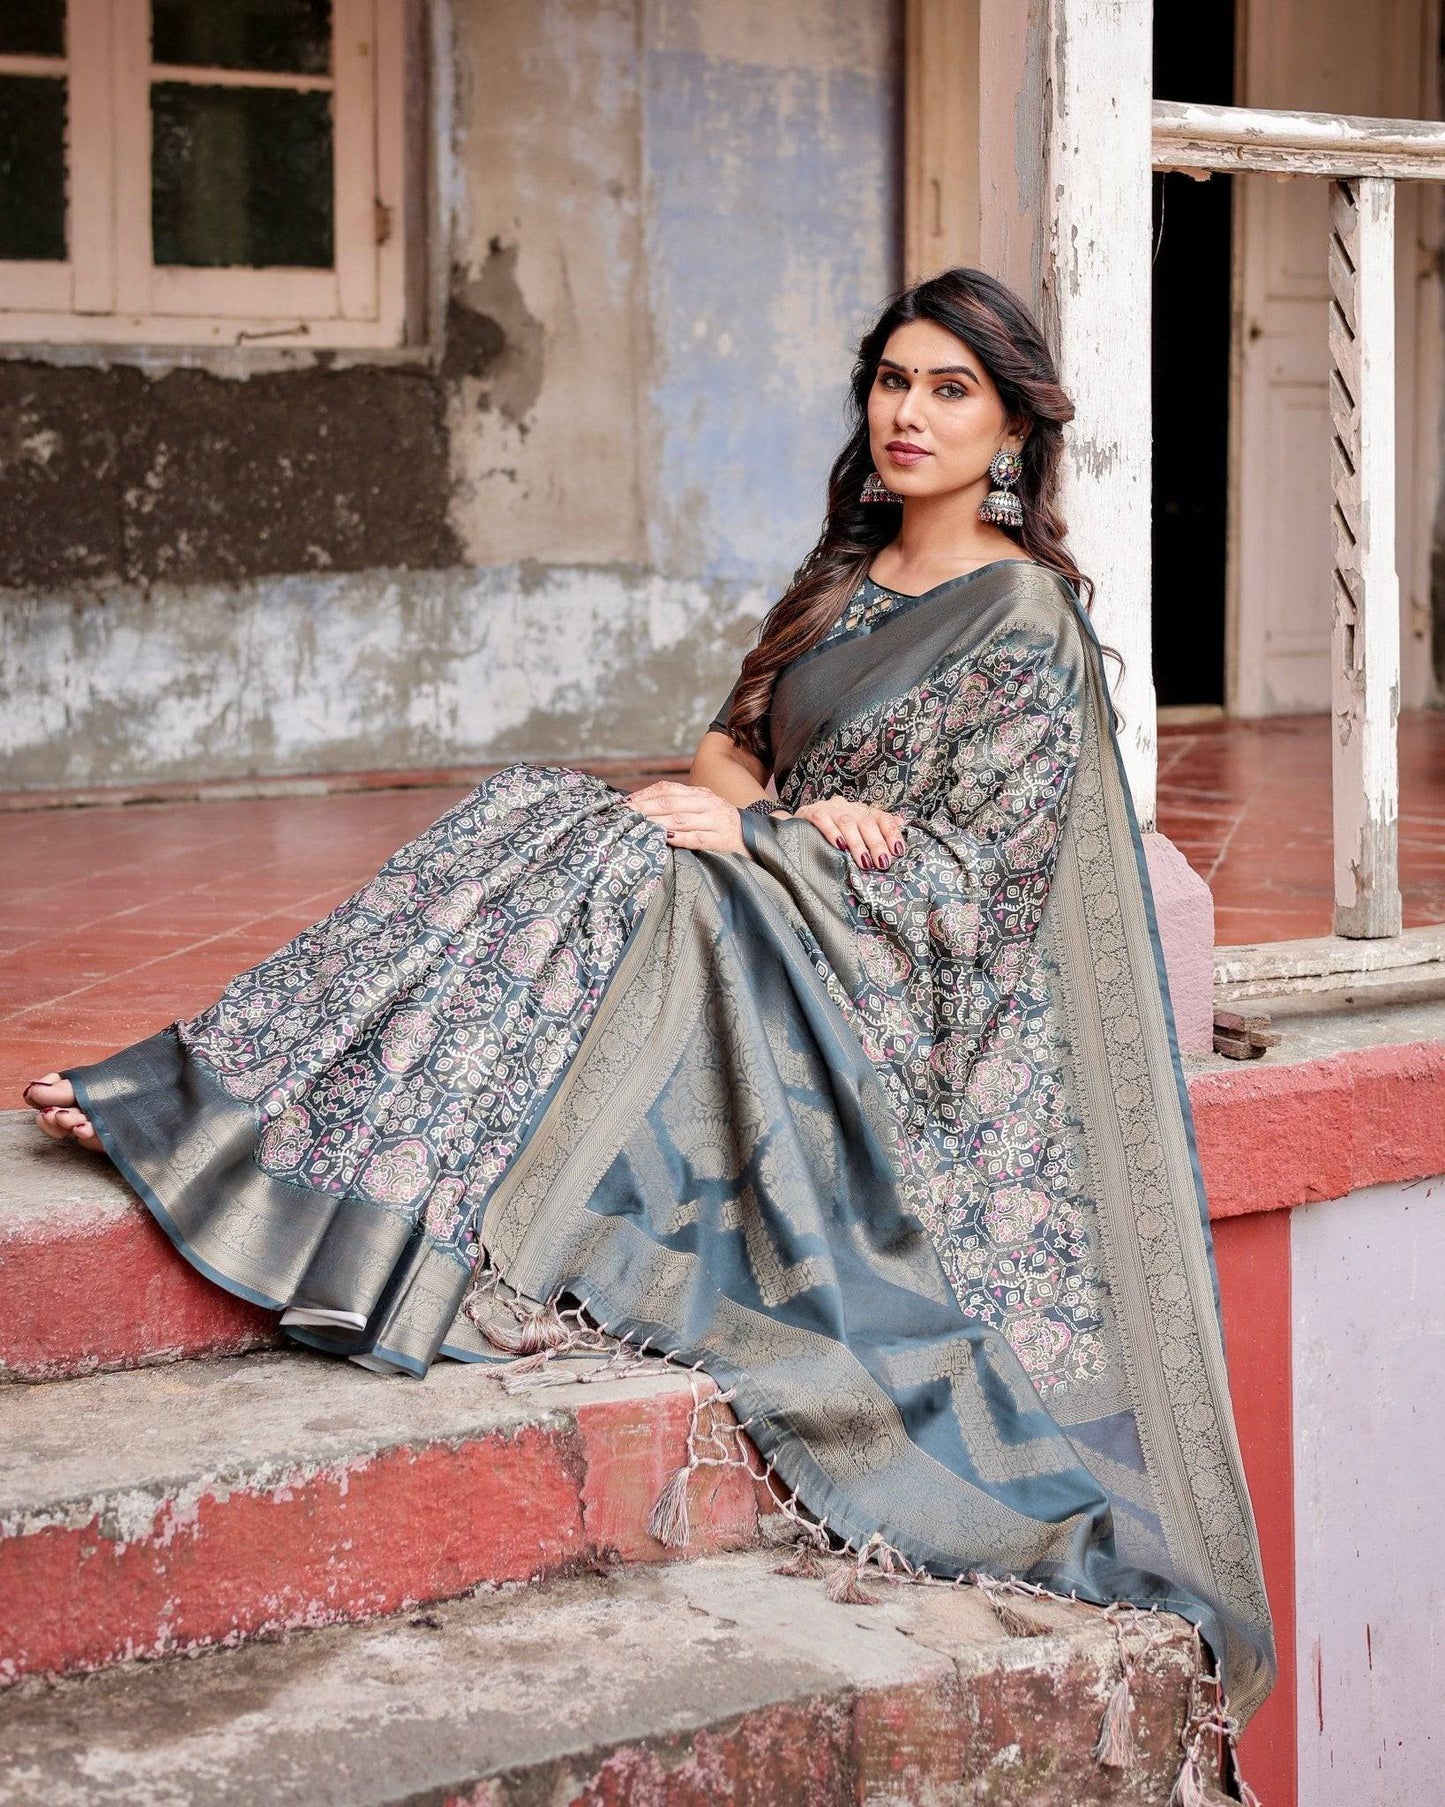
pixel 1271 1138
pixel 348 1542
pixel 85 1295
pixel 108 1290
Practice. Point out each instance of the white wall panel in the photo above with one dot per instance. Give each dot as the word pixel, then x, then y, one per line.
pixel 1369 1417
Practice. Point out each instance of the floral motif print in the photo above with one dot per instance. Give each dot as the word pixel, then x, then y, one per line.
pixel 953 1007
pixel 285 1138
pixel 405 1038
pixel 444 1208
pixel 398 1173
pixel 400 1049
pixel 1013 1213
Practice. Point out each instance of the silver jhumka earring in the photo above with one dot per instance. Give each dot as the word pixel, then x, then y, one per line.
pixel 876 490
pixel 1001 506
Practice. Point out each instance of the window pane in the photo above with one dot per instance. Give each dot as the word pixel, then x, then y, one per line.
pixel 280 36
pixel 240 176
pixel 32 168
pixel 32 27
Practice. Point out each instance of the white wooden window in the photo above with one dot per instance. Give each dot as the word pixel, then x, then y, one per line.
pixel 202 172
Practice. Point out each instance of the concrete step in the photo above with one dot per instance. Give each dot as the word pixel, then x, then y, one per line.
pixel 706 1681
pixel 90 1282
pixel 89 1279
pixel 166 1509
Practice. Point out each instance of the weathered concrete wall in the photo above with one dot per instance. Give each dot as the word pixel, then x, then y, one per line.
pixel 381 670
pixel 115 476
pixel 774 220
pixel 549 284
pixel 666 223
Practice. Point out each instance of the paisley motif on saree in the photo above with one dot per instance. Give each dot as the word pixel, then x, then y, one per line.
pixel 903 1156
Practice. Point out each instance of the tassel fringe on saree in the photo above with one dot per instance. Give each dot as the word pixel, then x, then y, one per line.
pixel 902 1159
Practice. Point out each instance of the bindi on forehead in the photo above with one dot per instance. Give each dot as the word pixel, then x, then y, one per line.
pixel 936 370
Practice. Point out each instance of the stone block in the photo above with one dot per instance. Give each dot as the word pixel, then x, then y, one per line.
pixel 662 1686
pixel 169 1509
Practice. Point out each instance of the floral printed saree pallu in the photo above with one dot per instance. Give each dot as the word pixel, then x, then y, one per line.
pixel 904 1157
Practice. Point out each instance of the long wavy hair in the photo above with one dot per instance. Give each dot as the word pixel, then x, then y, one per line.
pixel 991 320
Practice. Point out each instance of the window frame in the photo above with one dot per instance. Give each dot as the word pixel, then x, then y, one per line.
pixel 110 292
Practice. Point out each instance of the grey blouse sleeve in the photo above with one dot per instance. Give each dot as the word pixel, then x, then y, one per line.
pixel 720 720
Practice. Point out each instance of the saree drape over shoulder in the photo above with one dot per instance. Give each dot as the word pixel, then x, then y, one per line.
pixel 903 1156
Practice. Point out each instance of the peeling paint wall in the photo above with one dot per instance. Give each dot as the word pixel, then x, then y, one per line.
pixel 385 669
pixel 773 225
pixel 117 476
pixel 547 535
pixel 547 448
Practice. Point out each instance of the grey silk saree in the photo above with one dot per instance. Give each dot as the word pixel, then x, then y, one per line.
pixel 904 1157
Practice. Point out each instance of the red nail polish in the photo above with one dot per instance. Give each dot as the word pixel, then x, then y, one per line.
pixel 841 844
pixel 898 846
pixel 882 862
pixel 866 861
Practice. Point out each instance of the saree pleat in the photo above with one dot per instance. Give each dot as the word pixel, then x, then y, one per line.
pixel 903 1157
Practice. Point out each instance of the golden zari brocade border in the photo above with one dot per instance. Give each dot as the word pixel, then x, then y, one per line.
pixel 1143 1177
pixel 833 1415
pixel 1141 1171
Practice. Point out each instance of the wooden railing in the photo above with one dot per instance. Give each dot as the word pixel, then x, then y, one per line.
pixel 1362 159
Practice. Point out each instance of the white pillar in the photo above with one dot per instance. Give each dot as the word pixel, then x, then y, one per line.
pixel 1366 589
pixel 1065 178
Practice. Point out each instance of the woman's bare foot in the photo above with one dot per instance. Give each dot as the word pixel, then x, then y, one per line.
pixel 53 1101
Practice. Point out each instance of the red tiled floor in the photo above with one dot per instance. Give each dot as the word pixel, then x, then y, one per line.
pixel 1248 804
pixel 116 919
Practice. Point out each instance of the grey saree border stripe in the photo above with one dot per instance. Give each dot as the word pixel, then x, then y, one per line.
pixel 1156 943
pixel 151 1199
pixel 563 1239
pixel 120 1135
pixel 908 657
pixel 509 1250
pixel 1160 1403
pixel 904 608
pixel 799 1470
pixel 796 1463
pixel 798 849
pixel 911 663
pixel 632 1284
pixel 160 1109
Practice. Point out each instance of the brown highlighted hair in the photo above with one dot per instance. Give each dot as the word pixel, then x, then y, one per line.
pixel 991 320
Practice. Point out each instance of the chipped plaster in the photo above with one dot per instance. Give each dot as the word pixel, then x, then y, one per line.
pixel 376 669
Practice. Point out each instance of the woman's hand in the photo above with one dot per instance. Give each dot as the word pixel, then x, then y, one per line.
pixel 692 815
pixel 874 837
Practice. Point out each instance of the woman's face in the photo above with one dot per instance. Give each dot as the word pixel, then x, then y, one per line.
pixel 934 416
